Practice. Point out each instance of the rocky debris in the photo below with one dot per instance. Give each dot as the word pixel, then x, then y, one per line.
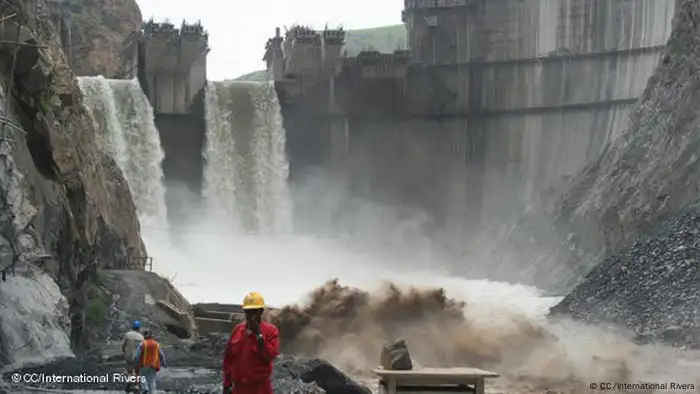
pixel 68 207
pixel 118 297
pixel 139 295
pixel 651 288
pixel 395 356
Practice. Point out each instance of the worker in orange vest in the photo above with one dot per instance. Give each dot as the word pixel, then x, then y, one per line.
pixel 252 347
pixel 149 359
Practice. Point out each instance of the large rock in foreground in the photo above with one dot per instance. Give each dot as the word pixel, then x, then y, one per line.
pixel 652 288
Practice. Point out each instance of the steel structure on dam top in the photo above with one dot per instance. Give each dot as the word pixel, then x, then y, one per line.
pixel 462 53
pixel 172 64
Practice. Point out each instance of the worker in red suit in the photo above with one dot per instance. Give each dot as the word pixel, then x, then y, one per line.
pixel 250 351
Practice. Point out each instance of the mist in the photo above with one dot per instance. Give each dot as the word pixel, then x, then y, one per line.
pixel 342 304
pixel 351 273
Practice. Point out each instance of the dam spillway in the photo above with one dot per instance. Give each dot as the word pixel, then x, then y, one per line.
pixel 246 165
pixel 494 105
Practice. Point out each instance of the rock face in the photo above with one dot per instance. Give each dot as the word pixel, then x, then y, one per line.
pixel 651 288
pixel 644 177
pixel 42 337
pixel 67 204
pixel 98 33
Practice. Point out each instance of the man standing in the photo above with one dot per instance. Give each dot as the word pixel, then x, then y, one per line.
pixel 149 359
pixel 131 341
pixel 250 351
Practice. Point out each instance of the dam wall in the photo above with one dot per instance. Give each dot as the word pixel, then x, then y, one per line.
pixel 497 104
pixel 170 64
pixel 183 137
pixel 548 83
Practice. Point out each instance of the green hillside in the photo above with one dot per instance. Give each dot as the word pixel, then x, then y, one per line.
pixel 383 39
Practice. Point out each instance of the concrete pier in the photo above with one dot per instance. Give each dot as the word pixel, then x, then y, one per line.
pixel 170 64
pixel 173 65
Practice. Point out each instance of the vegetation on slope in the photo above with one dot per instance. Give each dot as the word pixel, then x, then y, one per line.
pixel 382 39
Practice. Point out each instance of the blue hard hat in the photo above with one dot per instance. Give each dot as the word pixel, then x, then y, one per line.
pixel 137 324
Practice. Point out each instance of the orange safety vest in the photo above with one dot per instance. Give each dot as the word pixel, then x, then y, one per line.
pixel 150 354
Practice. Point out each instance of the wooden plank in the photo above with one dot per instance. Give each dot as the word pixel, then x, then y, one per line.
pixel 437 373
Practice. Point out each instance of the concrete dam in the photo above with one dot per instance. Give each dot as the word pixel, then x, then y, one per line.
pixel 493 105
pixel 170 65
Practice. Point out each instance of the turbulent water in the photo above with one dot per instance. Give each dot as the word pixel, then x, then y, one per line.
pixel 246 165
pixel 129 135
pixel 503 326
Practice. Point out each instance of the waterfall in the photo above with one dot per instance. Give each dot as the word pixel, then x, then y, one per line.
pixel 127 133
pixel 246 165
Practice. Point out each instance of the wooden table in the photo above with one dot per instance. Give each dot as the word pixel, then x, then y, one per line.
pixel 433 380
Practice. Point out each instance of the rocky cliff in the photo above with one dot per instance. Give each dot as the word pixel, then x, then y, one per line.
pixel 99 30
pixel 67 206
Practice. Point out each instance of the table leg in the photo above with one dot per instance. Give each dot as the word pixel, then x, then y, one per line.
pixel 479 386
pixel 391 386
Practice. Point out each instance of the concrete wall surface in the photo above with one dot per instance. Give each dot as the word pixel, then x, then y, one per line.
pixel 545 83
pixel 174 66
pixel 504 101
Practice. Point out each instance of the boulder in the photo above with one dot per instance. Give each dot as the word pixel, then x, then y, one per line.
pixel 286 377
pixel 395 356
pixel 331 379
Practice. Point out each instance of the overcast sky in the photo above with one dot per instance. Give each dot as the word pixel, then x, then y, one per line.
pixel 238 29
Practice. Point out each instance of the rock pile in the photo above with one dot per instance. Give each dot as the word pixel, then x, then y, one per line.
pixel 651 288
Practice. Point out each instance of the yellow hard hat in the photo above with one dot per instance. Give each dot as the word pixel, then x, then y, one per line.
pixel 253 300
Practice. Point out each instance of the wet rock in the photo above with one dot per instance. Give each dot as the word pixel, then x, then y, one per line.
pixel 27 58
pixel 395 356
pixel 287 377
pixel 650 288
pixel 330 378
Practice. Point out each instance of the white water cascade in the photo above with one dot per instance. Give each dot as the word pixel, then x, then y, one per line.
pixel 246 166
pixel 127 133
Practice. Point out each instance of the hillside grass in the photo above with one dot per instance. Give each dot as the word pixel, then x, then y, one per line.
pixel 385 39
